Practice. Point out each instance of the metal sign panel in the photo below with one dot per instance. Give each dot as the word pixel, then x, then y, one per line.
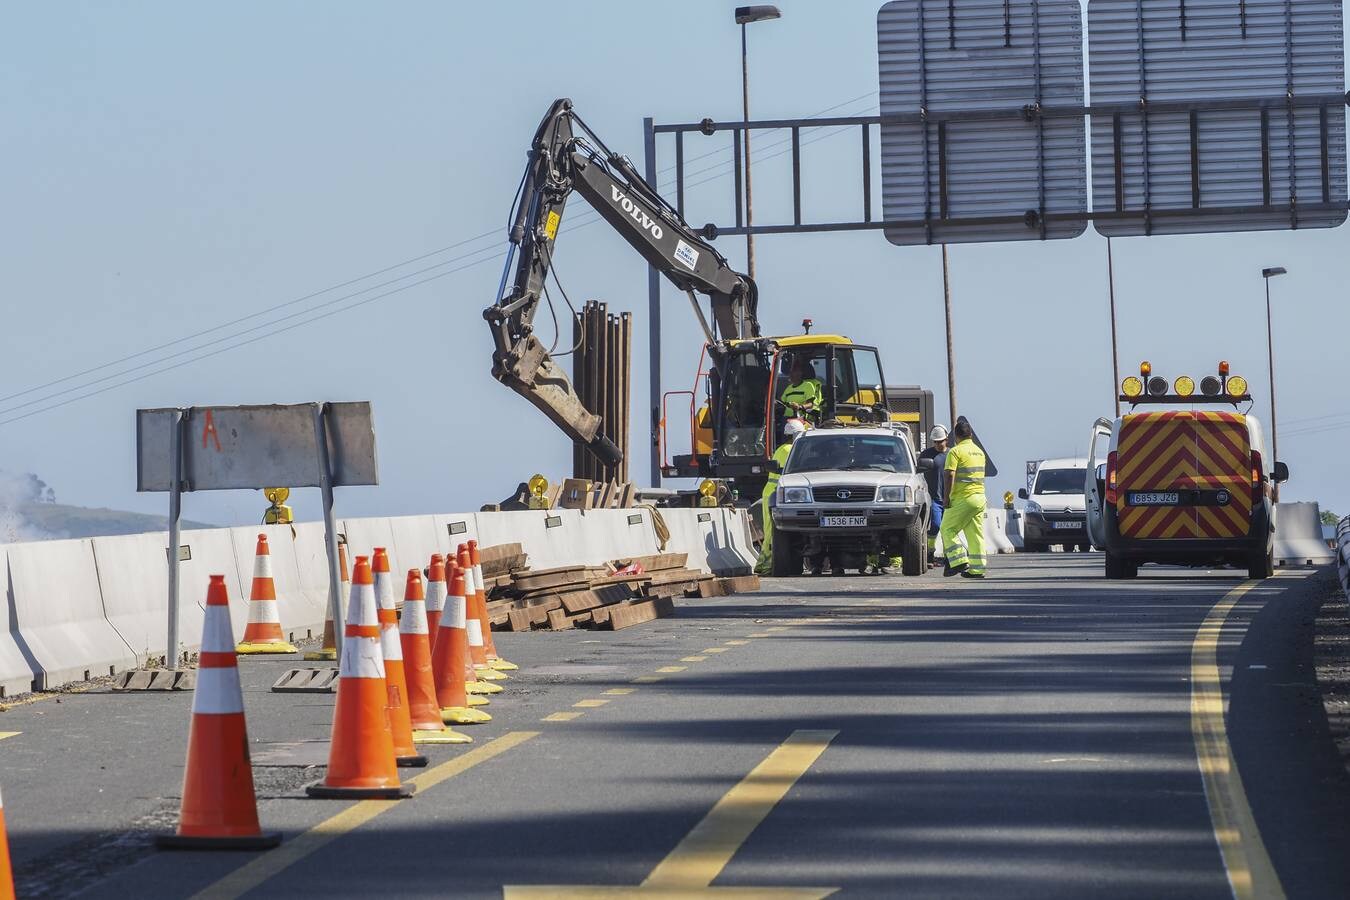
pixel 229 447
pixel 1229 115
pixel 966 153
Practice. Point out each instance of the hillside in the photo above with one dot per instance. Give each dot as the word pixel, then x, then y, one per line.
pixel 39 521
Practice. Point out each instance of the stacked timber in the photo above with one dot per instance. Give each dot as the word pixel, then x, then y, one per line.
pixel 617 595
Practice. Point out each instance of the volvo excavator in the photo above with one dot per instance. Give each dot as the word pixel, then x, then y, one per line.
pixel 743 374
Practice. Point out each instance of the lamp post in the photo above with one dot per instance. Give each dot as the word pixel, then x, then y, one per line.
pixel 1268 274
pixel 744 16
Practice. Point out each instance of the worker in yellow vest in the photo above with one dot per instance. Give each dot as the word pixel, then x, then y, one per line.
pixel 804 397
pixel 792 428
pixel 963 478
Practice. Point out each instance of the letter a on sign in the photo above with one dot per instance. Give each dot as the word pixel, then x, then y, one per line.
pixel 209 431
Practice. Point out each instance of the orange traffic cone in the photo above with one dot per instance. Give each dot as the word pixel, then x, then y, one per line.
pixel 6 870
pixel 361 758
pixel 476 689
pixel 329 649
pixel 425 712
pixel 480 677
pixel 263 634
pixel 494 660
pixel 435 595
pixel 219 811
pixel 400 723
pixel 450 659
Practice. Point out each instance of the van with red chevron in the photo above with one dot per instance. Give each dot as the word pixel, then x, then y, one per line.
pixel 1187 483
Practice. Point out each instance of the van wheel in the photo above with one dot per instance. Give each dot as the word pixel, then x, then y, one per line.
pixel 1261 565
pixel 1118 567
pixel 914 548
pixel 785 562
pixel 1033 547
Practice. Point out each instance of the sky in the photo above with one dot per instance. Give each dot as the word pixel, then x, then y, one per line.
pixel 169 169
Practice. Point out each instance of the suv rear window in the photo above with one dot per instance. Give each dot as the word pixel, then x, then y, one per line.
pixel 1060 481
pixel 850 453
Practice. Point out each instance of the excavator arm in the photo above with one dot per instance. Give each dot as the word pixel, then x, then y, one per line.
pixel 562 161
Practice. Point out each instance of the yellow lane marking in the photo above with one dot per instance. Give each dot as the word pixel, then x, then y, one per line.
pixel 693 658
pixel 620 692
pixel 690 869
pixel 561 717
pixel 714 650
pixel 761 634
pixel 737 643
pixel 255 873
pixel 648 679
pixel 589 704
pixel 1250 873
pixel 777 628
pixel 9 734
pixel 672 669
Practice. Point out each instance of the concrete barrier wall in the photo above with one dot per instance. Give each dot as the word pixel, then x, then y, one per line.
pixel 995 528
pixel 1298 536
pixel 17 668
pixel 551 537
pixel 415 538
pixel 309 611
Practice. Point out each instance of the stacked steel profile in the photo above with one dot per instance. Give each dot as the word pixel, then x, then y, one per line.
pixel 601 373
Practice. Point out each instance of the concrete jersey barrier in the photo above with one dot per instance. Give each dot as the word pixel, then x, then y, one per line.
pixel 17 666
pixel 1298 536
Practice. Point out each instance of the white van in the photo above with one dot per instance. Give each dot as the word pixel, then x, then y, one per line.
pixel 1055 511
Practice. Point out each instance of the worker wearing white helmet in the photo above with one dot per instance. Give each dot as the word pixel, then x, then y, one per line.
pixel 792 429
pixel 937 452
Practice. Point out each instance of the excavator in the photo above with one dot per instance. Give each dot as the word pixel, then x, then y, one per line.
pixel 743 374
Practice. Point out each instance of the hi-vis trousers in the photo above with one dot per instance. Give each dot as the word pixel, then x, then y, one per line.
pixel 965 517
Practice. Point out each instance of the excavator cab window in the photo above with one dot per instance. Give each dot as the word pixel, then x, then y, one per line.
pixel 792 369
pixel 745 384
pixel 859 394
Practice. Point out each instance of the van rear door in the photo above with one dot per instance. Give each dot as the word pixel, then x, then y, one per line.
pixel 1183 474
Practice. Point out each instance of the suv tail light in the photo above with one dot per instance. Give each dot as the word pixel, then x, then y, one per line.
pixel 1112 494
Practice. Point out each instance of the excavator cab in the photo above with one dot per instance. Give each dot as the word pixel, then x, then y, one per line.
pixel 852 384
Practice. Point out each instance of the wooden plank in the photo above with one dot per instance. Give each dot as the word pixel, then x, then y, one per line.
pixel 740 584
pixel 499 558
pixel 670 576
pixel 559 620
pixel 655 562
pixel 542 579
pixel 636 613
pixel 709 587
pixel 519 620
pixel 602 595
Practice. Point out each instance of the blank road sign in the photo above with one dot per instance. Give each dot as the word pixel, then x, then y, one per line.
pixel 968 150
pixel 1216 115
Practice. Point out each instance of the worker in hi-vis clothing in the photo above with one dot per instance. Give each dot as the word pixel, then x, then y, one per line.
pixel 803 396
pixel 963 479
pixel 791 429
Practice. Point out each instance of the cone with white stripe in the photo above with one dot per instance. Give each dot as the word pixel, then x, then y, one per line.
pixel 219 811
pixel 457 579
pixel 396 680
pixel 494 660
pixel 263 634
pixel 423 709
pixel 6 869
pixel 481 676
pixel 329 649
pixel 450 660
pixel 361 762
pixel 435 596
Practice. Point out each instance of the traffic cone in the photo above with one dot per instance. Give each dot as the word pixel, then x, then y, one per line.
pixel 219 811
pixel 435 595
pixel 6 869
pixel 494 660
pixel 263 634
pixel 481 676
pixel 475 688
pixel 400 723
pixel 450 660
pixel 425 712
pixel 361 757
pixel 329 649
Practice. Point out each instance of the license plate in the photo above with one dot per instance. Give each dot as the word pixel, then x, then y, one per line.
pixel 843 521
pixel 1154 498
pixel 1067 525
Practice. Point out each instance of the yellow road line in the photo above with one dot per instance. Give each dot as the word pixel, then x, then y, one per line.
pixel 761 634
pixel 737 643
pixel 561 717
pixel 255 873
pixel 705 851
pixel 9 734
pixel 1250 872
pixel 693 658
pixel 620 692
pixel 777 628
pixel 672 669
pixel 589 704
pixel 714 650
pixel 648 679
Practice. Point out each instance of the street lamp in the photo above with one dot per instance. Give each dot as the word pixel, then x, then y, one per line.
pixel 744 16
pixel 1268 274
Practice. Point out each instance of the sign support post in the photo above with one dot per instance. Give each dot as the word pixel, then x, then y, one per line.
pixel 329 523
pixel 175 514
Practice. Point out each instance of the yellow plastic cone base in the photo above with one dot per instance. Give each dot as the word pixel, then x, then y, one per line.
pixel 502 665
pixel 482 687
pixel 281 647
pixel 486 674
pixel 329 655
pixel 478 701
pixel 460 715
pixel 444 736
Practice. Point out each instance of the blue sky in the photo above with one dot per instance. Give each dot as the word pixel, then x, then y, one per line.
pixel 169 168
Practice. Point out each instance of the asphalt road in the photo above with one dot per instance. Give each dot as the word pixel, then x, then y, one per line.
pixel 1032 735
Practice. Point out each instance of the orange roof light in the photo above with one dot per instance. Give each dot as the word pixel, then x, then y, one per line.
pixel 1223 368
pixel 1145 368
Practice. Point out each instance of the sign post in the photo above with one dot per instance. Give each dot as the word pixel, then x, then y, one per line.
pixel 323 445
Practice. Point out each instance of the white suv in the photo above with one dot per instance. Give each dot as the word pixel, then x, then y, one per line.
pixel 848 493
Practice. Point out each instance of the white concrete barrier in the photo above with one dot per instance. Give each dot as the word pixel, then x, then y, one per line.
pixel 1298 536
pixel 299 618
pixel 619 533
pixel 552 537
pixel 415 539
pixel 1012 529
pixel 310 610
pixel 691 531
pixel 364 535
pixel 455 529
pixel 17 667
pixel 995 526
pixel 58 610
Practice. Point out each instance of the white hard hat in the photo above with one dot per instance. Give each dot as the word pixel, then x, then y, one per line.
pixel 938 433
pixel 794 427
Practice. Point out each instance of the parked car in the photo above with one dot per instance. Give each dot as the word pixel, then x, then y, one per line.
pixel 848 493
pixel 1055 512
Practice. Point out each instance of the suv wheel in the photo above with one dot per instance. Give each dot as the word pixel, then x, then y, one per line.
pixel 914 548
pixel 1261 565
pixel 785 561
pixel 1118 567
